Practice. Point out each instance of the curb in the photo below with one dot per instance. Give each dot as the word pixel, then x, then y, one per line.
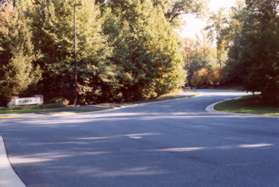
pixel 8 176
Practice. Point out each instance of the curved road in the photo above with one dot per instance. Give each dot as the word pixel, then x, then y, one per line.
pixel 164 144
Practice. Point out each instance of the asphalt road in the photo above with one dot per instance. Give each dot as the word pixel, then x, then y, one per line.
pixel 165 144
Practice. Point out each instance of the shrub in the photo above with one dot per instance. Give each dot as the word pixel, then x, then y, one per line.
pixel 60 101
pixel 207 77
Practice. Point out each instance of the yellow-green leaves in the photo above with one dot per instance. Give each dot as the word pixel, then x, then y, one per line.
pixel 17 56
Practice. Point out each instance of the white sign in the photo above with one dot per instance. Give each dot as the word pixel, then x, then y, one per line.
pixel 36 100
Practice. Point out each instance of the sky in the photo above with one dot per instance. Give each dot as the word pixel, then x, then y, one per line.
pixel 193 26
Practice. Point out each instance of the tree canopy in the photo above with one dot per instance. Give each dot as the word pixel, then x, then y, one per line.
pixel 253 57
pixel 126 49
pixel 130 50
pixel 17 55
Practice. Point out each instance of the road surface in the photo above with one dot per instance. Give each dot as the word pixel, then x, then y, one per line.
pixel 165 144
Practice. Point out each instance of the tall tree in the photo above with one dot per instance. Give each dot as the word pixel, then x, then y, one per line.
pixel 255 50
pixel 172 8
pixel 17 56
pixel 218 22
pixel 201 66
pixel 175 8
pixel 54 37
pixel 146 49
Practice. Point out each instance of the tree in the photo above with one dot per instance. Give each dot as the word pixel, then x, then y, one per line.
pixel 218 22
pixel 172 8
pixel 175 8
pixel 233 35
pixel 234 23
pixel 255 49
pixel 17 69
pixel 54 35
pixel 146 49
pixel 201 66
pixel 127 49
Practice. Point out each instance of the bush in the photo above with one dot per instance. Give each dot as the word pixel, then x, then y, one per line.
pixel 207 77
pixel 60 101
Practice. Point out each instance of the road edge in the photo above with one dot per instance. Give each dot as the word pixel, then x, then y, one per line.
pixel 8 176
pixel 142 104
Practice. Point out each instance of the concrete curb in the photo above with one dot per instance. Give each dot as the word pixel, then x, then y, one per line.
pixel 8 177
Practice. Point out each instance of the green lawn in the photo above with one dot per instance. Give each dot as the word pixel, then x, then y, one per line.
pixel 249 104
pixel 56 108
pixel 50 109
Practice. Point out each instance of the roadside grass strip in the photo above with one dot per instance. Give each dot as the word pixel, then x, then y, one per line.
pixel 8 177
pixel 246 105
pixel 7 117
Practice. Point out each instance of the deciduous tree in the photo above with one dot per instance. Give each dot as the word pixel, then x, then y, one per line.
pixel 17 56
pixel 53 26
pixel 254 55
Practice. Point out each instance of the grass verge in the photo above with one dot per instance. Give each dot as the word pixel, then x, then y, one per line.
pixel 248 105
pixel 55 108
pixel 51 109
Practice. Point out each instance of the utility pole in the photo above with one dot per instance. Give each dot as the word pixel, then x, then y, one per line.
pixel 75 56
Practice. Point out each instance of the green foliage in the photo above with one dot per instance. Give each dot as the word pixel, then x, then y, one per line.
pixel 250 105
pixel 207 60
pixel 223 26
pixel 175 8
pixel 207 77
pixel 253 58
pixel 217 24
pixel 201 63
pixel 17 69
pixel 126 49
pixel 54 36
pixel 146 50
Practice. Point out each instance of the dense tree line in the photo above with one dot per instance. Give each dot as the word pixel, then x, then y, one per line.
pixel 206 61
pixel 127 49
pixel 253 59
pixel 203 68
pixel 247 50
pixel 18 70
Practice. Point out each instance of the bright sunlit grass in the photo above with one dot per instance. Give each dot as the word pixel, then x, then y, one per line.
pixel 47 109
pixel 249 104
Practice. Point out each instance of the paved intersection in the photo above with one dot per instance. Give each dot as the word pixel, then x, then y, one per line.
pixel 168 143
